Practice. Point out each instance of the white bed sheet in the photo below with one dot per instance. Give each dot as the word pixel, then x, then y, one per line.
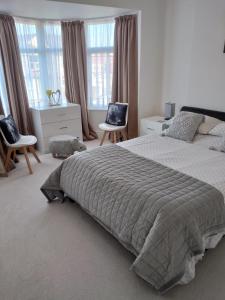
pixel 194 159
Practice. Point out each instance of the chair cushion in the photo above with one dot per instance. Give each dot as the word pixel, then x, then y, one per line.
pixel 9 129
pixel 116 114
pixel 25 140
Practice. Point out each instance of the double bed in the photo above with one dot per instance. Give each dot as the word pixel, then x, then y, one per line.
pixel 162 198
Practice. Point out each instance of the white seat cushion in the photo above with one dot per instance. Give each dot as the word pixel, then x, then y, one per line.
pixel 25 140
pixel 108 127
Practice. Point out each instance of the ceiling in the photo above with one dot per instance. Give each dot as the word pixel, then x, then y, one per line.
pixel 44 9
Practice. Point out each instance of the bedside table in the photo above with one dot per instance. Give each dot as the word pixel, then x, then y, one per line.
pixel 155 124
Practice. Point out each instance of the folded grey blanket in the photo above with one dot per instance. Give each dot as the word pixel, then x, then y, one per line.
pixel 159 214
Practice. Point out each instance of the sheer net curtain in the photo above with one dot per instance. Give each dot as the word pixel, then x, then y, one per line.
pixel 99 41
pixel 40 44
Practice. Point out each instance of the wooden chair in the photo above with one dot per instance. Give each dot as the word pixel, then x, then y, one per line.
pixel 2 166
pixel 25 143
pixel 107 128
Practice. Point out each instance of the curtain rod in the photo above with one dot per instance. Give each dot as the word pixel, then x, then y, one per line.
pixel 75 19
pixel 102 18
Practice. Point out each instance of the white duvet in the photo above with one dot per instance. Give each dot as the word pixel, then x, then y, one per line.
pixel 194 159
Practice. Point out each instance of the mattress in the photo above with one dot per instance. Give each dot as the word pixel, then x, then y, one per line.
pixel 194 159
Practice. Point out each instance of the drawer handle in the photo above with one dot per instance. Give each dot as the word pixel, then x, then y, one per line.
pixel 64 127
pixel 150 128
pixel 61 115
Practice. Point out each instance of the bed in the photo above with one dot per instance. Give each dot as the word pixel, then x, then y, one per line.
pixel 161 198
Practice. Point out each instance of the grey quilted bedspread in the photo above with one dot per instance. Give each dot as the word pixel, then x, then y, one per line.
pixel 159 214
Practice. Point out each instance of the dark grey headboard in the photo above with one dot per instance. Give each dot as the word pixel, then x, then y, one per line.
pixel 211 113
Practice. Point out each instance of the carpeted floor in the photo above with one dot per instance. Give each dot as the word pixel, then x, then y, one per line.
pixel 57 252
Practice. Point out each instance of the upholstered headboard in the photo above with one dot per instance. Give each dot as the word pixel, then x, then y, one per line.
pixel 211 113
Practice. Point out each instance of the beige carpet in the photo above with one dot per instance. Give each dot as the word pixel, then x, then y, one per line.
pixel 57 252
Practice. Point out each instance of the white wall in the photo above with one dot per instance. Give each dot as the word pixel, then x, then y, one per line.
pixel 96 117
pixel 194 63
pixel 151 50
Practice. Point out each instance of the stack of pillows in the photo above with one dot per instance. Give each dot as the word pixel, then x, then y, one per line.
pixel 186 124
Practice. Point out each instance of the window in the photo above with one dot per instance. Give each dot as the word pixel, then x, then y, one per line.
pixel 42 59
pixel 100 40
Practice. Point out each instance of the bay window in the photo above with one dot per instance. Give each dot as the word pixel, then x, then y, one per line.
pixel 40 44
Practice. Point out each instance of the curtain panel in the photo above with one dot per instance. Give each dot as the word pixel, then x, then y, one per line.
pixel 13 72
pixel 75 71
pixel 125 82
pixel 1 107
pixel 3 148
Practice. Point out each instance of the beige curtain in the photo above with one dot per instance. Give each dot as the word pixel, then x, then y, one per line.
pixel 125 83
pixel 3 149
pixel 75 70
pixel 14 79
pixel 1 107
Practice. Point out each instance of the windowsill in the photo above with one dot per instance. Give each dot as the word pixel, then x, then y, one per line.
pixel 98 109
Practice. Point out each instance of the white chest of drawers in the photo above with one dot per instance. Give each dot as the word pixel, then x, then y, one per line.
pixel 56 120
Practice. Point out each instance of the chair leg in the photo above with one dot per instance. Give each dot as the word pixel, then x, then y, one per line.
pixel 124 135
pixel 114 137
pixel 27 159
pixel 15 158
pixel 8 157
pixel 32 150
pixel 103 138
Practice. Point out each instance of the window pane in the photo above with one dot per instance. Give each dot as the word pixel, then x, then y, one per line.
pixel 55 72
pixel 52 36
pixel 100 37
pixel 32 75
pixel 27 35
pixel 101 79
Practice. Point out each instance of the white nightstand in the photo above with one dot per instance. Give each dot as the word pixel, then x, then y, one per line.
pixel 155 124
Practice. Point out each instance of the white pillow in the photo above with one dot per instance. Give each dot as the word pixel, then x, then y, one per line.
pixel 218 130
pixel 184 126
pixel 220 147
pixel 208 124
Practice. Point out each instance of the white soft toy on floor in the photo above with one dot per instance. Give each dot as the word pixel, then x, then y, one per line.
pixel 63 146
